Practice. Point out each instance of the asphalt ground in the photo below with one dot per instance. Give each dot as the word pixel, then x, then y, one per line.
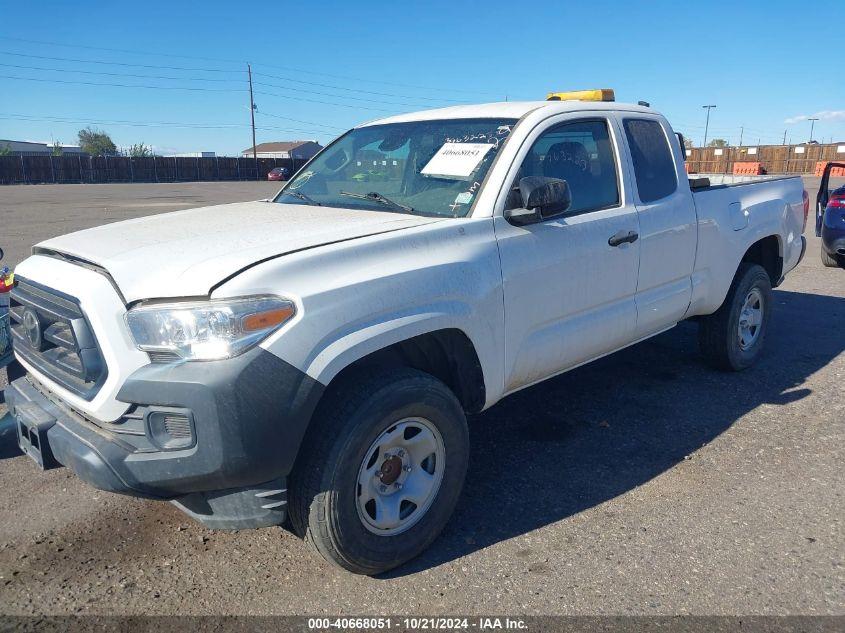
pixel 643 483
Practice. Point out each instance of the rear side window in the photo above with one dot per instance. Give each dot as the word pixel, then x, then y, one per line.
pixel 654 166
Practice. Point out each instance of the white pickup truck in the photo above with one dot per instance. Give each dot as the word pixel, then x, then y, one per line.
pixel 313 357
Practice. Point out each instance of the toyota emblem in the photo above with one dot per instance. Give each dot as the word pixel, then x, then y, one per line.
pixel 32 326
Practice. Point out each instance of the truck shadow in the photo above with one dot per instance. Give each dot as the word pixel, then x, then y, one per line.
pixel 576 441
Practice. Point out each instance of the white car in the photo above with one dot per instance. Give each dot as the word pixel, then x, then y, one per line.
pixel 313 357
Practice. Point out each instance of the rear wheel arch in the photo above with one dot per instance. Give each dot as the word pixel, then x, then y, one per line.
pixel 768 253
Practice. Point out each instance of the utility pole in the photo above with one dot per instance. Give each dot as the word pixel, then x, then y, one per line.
pixel 812 121
pixel 707 122
pixel 784 137
pixel 252 117
pixel 741 130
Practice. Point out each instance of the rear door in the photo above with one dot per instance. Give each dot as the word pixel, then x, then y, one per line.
pixel 667 219
pixel 569 294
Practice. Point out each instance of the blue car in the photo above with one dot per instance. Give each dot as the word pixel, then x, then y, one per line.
pixel 5 328
pixel 830 221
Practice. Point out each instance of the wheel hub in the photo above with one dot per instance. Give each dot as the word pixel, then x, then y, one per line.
pixel 750 319
pixel 390 470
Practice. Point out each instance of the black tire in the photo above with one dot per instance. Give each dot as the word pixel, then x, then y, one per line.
pixel 14 370
pixel 324 484
pixel 718 333
pixel 831 261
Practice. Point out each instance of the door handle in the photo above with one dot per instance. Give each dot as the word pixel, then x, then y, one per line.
pixel 623 237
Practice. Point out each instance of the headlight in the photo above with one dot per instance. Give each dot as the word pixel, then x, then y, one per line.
pixel 207 330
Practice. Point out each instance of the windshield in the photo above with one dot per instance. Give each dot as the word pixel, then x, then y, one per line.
pixel 432 168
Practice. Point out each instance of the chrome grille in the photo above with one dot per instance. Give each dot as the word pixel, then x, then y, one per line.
pixel 50 332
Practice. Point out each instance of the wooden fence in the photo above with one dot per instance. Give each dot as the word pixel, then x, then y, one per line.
pixel 102 169
pixel 775 159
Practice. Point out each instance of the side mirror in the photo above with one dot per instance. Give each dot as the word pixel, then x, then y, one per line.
pixel 682 141
pixel 542 198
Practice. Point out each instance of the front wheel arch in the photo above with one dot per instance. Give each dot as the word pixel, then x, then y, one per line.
pixel 448 354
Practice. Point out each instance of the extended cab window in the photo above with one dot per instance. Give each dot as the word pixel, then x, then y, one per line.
pixel 580 153
pixel 654 166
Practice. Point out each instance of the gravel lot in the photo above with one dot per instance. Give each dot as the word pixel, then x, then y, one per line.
pixel 642 483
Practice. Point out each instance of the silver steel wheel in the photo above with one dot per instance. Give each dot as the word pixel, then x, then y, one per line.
pixel 750 319
pixel 400 476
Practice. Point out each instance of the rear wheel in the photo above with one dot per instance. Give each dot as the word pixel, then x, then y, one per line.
pixel 381 471
pixel 831 261
pixel 732 337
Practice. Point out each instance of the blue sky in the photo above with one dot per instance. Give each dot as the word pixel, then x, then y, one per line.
pixel 321 67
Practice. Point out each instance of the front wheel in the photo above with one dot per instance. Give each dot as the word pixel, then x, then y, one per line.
pixel 381 471
pixel 732 337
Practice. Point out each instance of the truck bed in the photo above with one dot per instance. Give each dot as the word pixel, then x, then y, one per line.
pixel 697 182
pixel 733 212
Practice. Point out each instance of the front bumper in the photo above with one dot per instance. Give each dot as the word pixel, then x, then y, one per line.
pixel 246 418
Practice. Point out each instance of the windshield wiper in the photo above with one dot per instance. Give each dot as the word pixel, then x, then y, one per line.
pixel 301 196
pixel 375 196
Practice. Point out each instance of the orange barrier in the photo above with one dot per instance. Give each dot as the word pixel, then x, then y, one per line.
pixel 748 169
pixel 836 171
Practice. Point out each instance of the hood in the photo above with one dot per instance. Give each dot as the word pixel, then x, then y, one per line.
pixel 185 253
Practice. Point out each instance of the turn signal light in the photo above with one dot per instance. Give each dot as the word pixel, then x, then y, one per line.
pixel 600 94
pixel 267 319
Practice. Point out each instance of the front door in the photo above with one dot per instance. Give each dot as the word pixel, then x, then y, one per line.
pixel 568 287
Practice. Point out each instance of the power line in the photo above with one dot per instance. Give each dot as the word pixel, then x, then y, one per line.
pixel 278 116
pixel 373 81
pixel 127 64
pixel 232 61
pixel 369 92
pixel 90 83
pixel 340 105
pixel 217 70
pixel 121 50
pixel 171 78
pixel 94 72
pixel 118 122
pixel 326 94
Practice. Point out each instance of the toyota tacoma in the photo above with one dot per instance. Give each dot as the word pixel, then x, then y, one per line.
pixel 312 358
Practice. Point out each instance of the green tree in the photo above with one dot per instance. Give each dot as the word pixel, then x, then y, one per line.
pixel 717 142
pixel 139 150
pixel 96 142
pixel 57 148
pixel 5 150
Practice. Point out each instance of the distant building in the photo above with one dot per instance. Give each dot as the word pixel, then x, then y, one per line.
pixel 301 150
pixel 30 148
pixel 194 155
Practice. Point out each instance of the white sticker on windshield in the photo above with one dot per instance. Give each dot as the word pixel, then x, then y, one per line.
pixel 456 160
